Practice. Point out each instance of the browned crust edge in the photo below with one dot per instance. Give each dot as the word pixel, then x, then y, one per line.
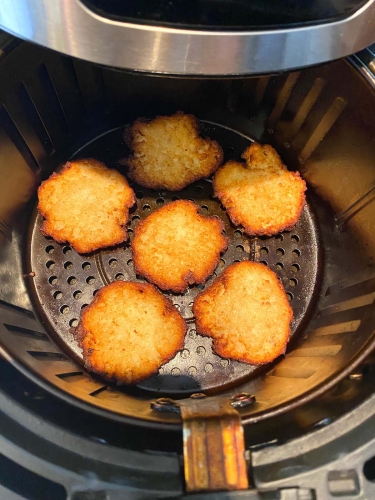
pixel 189 278
pixel 128 162
pixel 81 332
pixel 205 331
pixel 79 248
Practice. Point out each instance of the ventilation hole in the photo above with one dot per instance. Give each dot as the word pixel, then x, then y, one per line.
pixel 191 304
pixel 279 266
pixel 204 209
pixel 135 218
pixel 295 268
pixel 57 295
pixel 236 261
pixel 369 469
pixel 54 104
pixel 72 280
pixel 293 282
pixel 185 353
pixel 139 195
pixel 24 332
pixel 290 296
pixel 112 262
pixel 50 249
pixel 192 371
pixel 222 208
pixel 77 294
pixel 52 280
pixel 176 372
pixel 208 368
pixel 95 292
pixel 119 276
pixel 263 262
pixel 34 118
pixel 90 280
pixel 295 238
pixel 201 351
pixel 160 202
pixel 86 266
pixel 279 237
pixel 175 198
pixel 199 189
pixel 50 264
pixel 296 253
pixel 280 251
pixel 240 248
pixel 64 309
pixel 47 355
pixel 264 251
pixel 83 306
pixel 73 322
pixel 222 263
pixel 146 208
pixel 191 199
pixel 223 232
pixel 68 265
pixel 237 233
pixel 129 262
pixel 192 334
pixel 67 250
pixel 17 138
pixel 224 363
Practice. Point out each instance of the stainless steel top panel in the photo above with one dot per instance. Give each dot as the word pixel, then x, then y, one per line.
pixel 69 27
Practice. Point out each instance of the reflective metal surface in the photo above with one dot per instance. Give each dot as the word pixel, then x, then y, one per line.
pixel 69 27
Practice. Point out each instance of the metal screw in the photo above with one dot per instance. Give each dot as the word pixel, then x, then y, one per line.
pixel 165 404
pixel 242 399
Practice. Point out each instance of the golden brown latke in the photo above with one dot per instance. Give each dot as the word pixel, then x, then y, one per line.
pixel 175 246
pixel 129 331
pixel 168 152
pixel 261 194
pixel 86 205
pixel 246 312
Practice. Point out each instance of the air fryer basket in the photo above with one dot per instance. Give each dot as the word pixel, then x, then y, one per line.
pixel 320 120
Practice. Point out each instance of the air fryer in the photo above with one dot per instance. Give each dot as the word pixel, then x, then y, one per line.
pixel 55 108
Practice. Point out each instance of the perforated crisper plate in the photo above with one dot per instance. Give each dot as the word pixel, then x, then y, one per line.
pixel 65 281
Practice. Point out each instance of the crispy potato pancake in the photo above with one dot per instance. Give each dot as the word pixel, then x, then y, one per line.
pixel 261 195
pixel 246 312
pixel 175 246
pixel 86 205
pixel 129 331
pixel 168 152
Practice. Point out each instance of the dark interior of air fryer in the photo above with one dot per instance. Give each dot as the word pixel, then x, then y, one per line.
pixel 320 120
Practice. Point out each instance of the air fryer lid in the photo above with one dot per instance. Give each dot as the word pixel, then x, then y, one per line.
pixel 204 37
